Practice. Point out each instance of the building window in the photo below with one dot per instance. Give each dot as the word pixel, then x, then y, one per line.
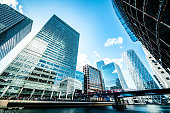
pixel 167 78
pixel 162 72
pixel 159 68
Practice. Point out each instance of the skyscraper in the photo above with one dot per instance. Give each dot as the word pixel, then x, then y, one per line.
pixel 148 22
pixel 110 76
pixel 80 77
pixel 92 79
pixel 121 77
pixel 13 28
pixel 99 67
pixel 160 74
pixel 45 64
pixel 100 64
pixel 140 75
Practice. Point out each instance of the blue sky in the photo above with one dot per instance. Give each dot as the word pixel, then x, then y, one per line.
pixel 102 37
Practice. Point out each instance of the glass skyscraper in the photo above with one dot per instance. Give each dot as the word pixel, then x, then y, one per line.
pixel 44 66
pixel 99 67
pixel 140 75
pixel 121 77
pixel 13 28
pixel 110 76
pixel 80 77
pixel 100 64
pixel 148 22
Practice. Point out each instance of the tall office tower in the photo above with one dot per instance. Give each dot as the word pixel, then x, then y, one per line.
pixel 140 75
pixel 43 66
pixel 99 67
pixel 80 77
pixel 160 74
pixel 92 79
pixel 100 64
pixel 111 77
pixel 13 28
pixel 121 77
pixel 148 22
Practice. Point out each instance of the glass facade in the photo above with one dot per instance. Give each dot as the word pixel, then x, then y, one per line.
pixel 13 28
pixel 148 22
pixel 140 75
pixel 99 67
pixel 100 64
pixel 121 77
pixel 92 79
pixel 111 77
pixel 44 65
pixel 80 77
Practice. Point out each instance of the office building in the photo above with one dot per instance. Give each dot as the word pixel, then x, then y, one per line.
pixel 160 74
pixel 121 77
pixel 14 26
pixel 99 67
pixel 100 64
pixel 111 77
pixel 140 75
pixel 42 67
pixel 92 79
pixel 80 77
pixel 148 22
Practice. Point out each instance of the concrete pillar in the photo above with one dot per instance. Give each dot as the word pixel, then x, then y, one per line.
pixel 20 91
pixel 5 91
pixel 51 95
pixel 42 94
pixel 72 96
pixel 59 95
pixel 66 95
pixel 32 93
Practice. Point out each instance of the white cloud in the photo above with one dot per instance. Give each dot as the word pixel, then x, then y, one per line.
pixel 82 60
pixel 120 47
pixel 13 4
pixel 117 61
pixel 20 9
pixel 97 54
pixel 114 41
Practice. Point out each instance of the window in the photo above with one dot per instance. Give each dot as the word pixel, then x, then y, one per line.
pixel 159 68
pixel 162 72
pixel 167 78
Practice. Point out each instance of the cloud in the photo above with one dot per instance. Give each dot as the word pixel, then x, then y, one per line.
pixel 120 47
pixel 117 61
pixel 20 9
pixel 82 60
pixel 13 4
pixel 114 41
pixel 97 54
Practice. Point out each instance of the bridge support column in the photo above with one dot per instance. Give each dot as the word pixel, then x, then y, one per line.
pixel 118 104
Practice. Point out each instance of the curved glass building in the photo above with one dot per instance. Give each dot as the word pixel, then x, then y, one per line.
pixel 148 22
